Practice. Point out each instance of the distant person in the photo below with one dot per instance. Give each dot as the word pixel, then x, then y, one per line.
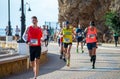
pixel 6 30
pixel 116 38
pixel 62 54
pixel 91 40
pixel 34 34
pixel 57 36
pixel 48 35
pixel 79 37
pixel 17 32
pixel 45 35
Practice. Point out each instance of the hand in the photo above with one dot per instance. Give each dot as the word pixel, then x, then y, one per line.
pixel 28 43
pixel 63 35
pixel 96 45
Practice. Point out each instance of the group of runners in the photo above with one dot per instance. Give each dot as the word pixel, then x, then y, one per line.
pixel 68 33
pixel 34 34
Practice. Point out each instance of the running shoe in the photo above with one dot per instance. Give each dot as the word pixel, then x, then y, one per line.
pixel 64 59
pixel 82 51
pixel 93 67
pixel 60 56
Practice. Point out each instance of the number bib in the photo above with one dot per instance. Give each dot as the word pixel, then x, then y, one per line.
pixel 34 41
pixel 79 34
pixel 91 35
pixel 67 40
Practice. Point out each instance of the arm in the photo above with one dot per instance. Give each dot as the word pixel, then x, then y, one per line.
pixel 25 35
pixel 85 31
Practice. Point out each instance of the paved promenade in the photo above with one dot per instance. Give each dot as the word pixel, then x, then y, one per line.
pixel 107 65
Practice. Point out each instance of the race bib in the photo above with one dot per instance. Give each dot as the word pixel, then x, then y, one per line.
pixel 34 41
pixel 79 34
pixel 91 36
pixel 67 40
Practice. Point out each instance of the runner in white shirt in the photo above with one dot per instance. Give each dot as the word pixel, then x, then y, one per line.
pixel 44 35
pixel 17 31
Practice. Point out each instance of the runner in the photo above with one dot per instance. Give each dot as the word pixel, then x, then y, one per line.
pixel 17 31
pixel 91 40
pixel 48 35
pixel 62 54
pixel 45 35
pixel 67 33
pixel 34 34
pixel 79 37
pixel 116 38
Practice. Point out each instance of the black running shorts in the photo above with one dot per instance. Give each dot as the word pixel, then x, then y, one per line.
pixel 35 52
pixel 66 45
pixel 80 39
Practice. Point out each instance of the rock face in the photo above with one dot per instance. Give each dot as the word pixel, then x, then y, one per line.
pixel 87 10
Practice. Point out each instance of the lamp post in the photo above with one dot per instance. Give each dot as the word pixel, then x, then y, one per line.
pixel 9 22
pixel 9 33
pixel 23 26
pixel 29 9
pixel 23 17
pixel 22 47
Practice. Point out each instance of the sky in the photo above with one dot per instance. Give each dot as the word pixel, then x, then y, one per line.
pixel 45 10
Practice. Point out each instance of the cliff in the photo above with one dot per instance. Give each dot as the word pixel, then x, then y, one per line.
pixel 87 10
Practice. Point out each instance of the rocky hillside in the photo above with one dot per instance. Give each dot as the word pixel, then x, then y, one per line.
pixel 87 10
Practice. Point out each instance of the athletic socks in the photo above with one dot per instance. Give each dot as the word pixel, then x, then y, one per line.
pixel 94 60
pixel 77 50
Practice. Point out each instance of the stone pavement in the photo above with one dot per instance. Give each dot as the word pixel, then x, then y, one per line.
pixel 107 65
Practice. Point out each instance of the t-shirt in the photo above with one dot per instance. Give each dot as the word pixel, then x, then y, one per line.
pixel 91 35
pixel 34 36
pixel 17 30
pixel 67 35
pixel 45 34
pixel 79 33
pixel 48 32
pixel 115 34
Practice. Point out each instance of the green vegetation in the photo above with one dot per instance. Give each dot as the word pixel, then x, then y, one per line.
pixel 112 20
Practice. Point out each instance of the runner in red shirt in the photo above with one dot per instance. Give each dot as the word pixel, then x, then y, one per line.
pixel 34 34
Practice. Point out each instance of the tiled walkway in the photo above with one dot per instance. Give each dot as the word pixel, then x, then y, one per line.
pixel 107 65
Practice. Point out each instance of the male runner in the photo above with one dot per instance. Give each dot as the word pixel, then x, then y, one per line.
pixel 67 33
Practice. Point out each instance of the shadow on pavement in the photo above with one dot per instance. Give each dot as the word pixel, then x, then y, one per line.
pixel 53 64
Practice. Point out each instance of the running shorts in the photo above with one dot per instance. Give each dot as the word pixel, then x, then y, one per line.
pixel 35 52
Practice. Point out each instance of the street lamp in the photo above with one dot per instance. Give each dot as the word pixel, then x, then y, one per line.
pixel 9 22
pixel 25 6
pixel 23 19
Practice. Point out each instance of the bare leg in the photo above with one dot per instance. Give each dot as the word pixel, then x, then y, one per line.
pixel 68 55
pixel 36 67
pixel 33 66
pixel 94 51
pixel 65 51
pixel 77 45
pixel 90 53
pixel 81 45
pixel 61 51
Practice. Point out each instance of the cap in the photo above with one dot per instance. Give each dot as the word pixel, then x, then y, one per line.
pixel 67 22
